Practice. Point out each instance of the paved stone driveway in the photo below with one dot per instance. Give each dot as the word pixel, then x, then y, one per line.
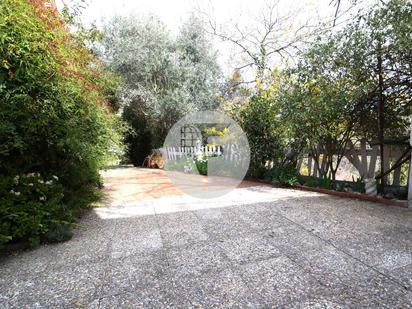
pixel 257 247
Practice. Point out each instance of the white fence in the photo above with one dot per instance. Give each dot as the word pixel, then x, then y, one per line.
pixel 173 153
pixel 228 152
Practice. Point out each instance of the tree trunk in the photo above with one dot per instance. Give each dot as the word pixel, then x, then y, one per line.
pixel 410 173
pixel 333 170
pixel 381 121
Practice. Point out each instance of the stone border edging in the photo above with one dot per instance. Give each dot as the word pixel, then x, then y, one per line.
pixel 359 196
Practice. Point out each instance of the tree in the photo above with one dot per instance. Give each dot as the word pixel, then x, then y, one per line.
pixel 375 52
pixel 164 77
pixel 274 36
pixel 354 83
pixel 317 111
pixel 234 94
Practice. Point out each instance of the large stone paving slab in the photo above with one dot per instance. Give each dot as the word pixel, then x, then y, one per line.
pixel 278 281
pixel 196 260
pixel 54 288
pixel 257 247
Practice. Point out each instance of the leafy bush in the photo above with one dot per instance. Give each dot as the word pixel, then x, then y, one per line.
pixel 308 181
pixel 326 183
pixel 259 122
pixel 260 172
pixel 315 182
pixel 285 175
pixel 358 185
pixel 56 112
pixel 338 185
pixel 201 165
pixel 31 206
pixel 189 165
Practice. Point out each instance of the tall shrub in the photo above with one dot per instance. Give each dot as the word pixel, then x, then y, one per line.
pixel 258 119
pixel 56 121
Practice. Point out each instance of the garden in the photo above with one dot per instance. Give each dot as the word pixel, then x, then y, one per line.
pixel 327 108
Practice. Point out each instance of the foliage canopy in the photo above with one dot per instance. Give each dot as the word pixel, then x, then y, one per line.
pixel 164 77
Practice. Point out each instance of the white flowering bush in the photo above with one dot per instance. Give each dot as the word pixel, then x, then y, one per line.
pixel 31 205
pixel 201 164
pixel 201 161
pixel 190 165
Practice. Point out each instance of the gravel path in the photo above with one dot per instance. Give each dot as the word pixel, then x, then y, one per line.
pixel 256 247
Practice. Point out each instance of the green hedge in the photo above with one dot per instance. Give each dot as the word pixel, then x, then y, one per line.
pixel 56 121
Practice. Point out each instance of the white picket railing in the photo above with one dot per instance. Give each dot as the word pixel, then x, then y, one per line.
pixel 174 153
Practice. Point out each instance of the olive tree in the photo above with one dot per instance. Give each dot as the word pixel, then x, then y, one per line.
pixel 165 76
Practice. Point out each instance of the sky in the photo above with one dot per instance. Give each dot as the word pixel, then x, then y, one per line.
pixel 173 12
pixel 226 13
